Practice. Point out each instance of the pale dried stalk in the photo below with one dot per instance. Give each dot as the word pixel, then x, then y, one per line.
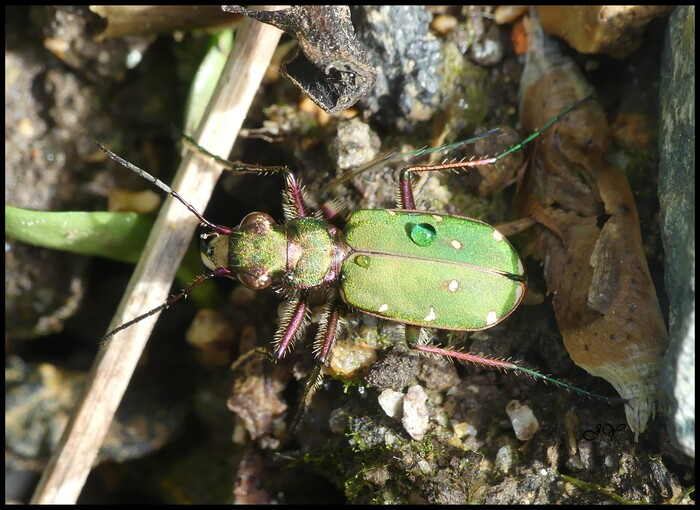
pixel 70 465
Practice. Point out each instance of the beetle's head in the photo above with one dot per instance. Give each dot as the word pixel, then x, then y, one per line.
pixel 256 250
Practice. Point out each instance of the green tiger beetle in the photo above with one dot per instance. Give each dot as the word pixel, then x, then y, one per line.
pixel 419 268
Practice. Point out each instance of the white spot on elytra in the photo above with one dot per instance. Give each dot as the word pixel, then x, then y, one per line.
pixel 521 269
pixel 497 235
pixel 391 213
pixel 518 293
pixel 437 218
pixel 383 308
pixel 456 244
pixel 431 315
pixel 453 286
pixel 491 318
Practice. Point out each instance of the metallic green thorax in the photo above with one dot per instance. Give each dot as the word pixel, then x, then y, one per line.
pixel 314 252
pixel 430 270
pixel 303 252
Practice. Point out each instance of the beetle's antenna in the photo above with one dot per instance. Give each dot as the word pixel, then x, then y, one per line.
pixel 160 184
pixel 544 128
pixel 222 271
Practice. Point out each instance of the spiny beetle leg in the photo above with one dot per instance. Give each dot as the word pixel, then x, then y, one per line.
pixel 498 364
pixel 312 384
pixel 394 154
pixel 327 331
pixel 406 191
pixel 323 343
pixel 332 210
pixel 293 201
pixel 256 352
pixel 293 205
pixel 407 200
pixel 293 324
pixel 235 166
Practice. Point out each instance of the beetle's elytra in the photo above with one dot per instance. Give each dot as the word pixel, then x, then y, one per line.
pixel 462 275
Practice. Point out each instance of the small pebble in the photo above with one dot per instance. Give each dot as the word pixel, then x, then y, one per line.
pixel 390 401
pixel 523 420
pixel 415 413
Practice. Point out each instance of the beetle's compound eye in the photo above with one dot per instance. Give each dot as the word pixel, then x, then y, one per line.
pixel 255 282
pixel 257 221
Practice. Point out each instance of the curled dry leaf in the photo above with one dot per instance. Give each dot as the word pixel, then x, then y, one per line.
pixel 591 244
pixel 332 68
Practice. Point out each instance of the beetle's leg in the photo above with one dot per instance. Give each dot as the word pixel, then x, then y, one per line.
pixel 406 193
pixel 312 384
pixel 327 331
pixel 234 166
pixel 415 342
pixel 334 212
pixel 405 198
pixel 243 359
pixel 293 201
pixel 293 205
pixel 292 326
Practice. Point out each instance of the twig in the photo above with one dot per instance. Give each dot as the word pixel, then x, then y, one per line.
pixel 70 465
